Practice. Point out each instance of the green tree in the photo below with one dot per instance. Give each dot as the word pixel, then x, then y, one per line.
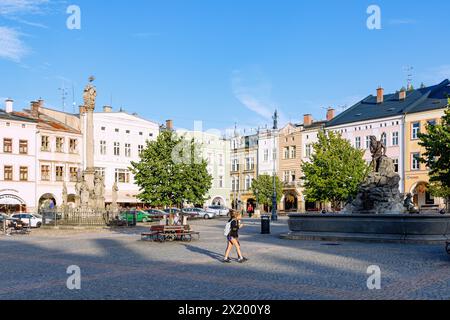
pixel 437 156
pixel 335 172
pixel 262 188
pixel 172 172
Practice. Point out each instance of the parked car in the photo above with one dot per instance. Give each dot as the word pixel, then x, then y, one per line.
pixel 172 211
pixel 141 216
pixel 156 214
pixel 33 220
pixel 199 213
pixel 219 211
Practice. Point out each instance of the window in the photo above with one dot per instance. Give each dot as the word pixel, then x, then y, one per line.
pixel 266 155
pixel 431 123
pixel 73 174
pixel 141 134
pixel 73 146
pixel 122 176
pixel 103 129
pixel 45 143
pixel 293 152
pixel 396 165
pixel 100 171
pixel 395 139
pixel 127 150
pixel 127 132
pixel 45 173
pixel 367 142
pixel 59 173
pixel 140 149
pixel 235 184
pixel 415 163
pixel 103 147
pixel 150 134
pixel 23 173
pixel 235 165
pixel 286 153
pixel 220 159
pixel 384 139
pixel 116 130
pixel 286 176
pixel 116 148
pixel 8 173
pixel 248 183
pixel 308 150
pixel 293 176
pixel 7 145
pixel 59 144
pixel 358 143
pixel 23 147
pixel 220 181
pixel 415 130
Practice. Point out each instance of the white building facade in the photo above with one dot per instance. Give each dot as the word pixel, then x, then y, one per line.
pixel 17 162
pixel 267 152
pixel 216 151
pixel 119 138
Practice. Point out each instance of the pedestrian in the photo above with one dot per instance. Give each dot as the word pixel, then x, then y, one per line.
pixel 232 234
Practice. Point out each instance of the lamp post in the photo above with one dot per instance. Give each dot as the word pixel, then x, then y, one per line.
pixel 274 197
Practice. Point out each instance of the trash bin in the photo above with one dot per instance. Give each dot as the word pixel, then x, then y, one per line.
pixel 265 224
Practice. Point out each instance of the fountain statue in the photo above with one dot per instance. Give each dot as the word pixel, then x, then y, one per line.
pixel 380 193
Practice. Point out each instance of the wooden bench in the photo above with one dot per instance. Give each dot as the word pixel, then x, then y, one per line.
pixel 170 233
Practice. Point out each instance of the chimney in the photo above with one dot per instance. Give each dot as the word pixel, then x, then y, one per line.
pixel 35 108
pixel 107 109
pixel 307 120
pixel 402 94
pixel 380 95
pixel 169 124
pixel 9 105
pixel 330 114
pixel 40 103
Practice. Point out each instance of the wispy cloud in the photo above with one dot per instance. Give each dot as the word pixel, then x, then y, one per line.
pixel 8 7
pixel 254 92
pixel 11 46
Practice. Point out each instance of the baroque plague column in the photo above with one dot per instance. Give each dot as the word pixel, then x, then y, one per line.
pixel 90 187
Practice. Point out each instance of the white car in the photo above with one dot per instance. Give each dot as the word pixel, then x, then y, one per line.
pixel 219 211
pixel 35 221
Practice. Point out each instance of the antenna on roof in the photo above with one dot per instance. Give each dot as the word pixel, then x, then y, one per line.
pixel 73 99
pixel 409 76
pixel 63 96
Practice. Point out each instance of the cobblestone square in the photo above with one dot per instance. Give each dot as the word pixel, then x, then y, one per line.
pixel 118 265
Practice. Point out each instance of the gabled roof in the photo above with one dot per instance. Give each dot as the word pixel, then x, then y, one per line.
pixel 423 99
pixel 14 116
pixel 45 122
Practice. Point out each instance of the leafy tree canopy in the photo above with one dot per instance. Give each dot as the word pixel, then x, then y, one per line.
pixel 336 170
pixel 262 188
pixel 172 172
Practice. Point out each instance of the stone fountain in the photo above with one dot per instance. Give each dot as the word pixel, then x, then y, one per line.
pixel 377 213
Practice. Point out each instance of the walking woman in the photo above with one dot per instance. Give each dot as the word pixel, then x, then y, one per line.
pixel 232 233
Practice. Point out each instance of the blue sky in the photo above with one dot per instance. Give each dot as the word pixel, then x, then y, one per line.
pixel 219 61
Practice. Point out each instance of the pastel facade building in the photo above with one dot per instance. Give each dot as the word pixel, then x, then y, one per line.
pixel 290 154
pixel 58 154
pixel 216 151
pixel 17 161
pixel 244 162
pixel 268 152
pixel 429 111
pixel 119 138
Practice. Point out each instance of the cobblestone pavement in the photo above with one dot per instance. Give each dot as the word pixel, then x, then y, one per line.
pixel 117 265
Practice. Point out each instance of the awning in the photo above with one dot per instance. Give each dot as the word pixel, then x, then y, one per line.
pixel 10 199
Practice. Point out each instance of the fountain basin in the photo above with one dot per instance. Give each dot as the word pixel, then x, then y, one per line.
pixel 398 228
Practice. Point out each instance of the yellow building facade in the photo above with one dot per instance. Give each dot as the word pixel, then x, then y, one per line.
pixel 416 173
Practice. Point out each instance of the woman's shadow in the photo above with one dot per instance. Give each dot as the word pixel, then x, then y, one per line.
pixel 213 255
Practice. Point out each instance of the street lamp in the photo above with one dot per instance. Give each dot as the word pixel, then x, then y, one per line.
pixel 274 197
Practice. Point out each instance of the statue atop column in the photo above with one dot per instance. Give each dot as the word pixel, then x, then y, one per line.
pixel 90 95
